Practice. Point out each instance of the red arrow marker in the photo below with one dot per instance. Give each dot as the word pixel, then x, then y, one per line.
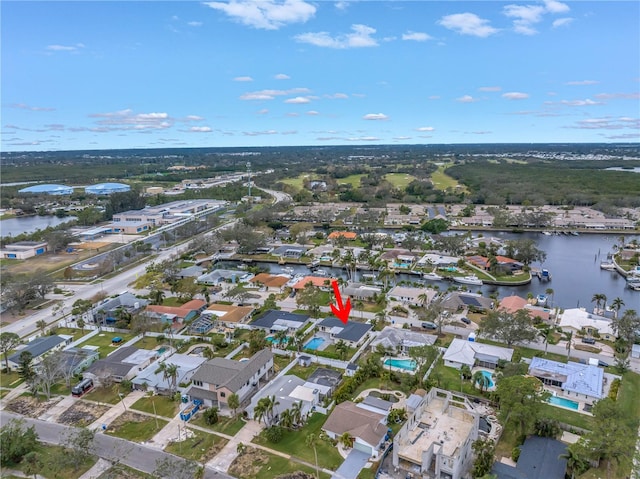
pixel 341 311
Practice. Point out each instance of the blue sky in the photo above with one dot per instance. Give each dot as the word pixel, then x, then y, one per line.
pixel 101 75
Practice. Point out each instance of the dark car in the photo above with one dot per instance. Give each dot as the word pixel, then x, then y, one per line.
pixel 428 325
pixel 465 320
pixel 588 340
pixel 603 364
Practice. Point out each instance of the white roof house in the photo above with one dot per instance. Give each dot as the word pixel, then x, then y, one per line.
pixel 187 366
pixel 579 319
pixel 462 352
pixel 288 389
pixel 401 340
pixel 411 295
pixel 438 260
pixel 584 380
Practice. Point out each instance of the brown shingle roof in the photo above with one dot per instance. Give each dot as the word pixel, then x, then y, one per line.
pixel 269 281
pixel 358 422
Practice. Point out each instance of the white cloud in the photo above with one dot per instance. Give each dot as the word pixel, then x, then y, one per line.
pixel 489 88
pixel 583 82
pixel 416 36
pixel 24 106
pixel 193 118
pixel 364 138
pixel 587 102
pixel 361 37
pixel 282 76
pixel 434 97
pixel 259 133
pixel 425 128
pixel 401 138
pixel 562 22
pixel 271 94
pixel 515 95
pixel 553 6
pixel 337 96
pixel 466 99
pixel 194 24
pixel 297 100
pixel 607 123
pixel 65 48
pixel 525 13
pixel 341 5
pixel 200 129
pixel 266 14
pixel 468 24
pixel 243 79
pixel 293 114
pixel 375 116
pixel 127 120
pixel 618 96
pixel 264 111
pixel 312 113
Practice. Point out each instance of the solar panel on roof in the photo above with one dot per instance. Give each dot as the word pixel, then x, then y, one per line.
pixel 470 301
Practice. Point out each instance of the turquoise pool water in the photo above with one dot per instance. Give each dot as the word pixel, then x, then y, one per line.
pixel 314 343
pixel 161 350
pixel 568 403
pixel 487 374
pixel 273 340
pixel 408 364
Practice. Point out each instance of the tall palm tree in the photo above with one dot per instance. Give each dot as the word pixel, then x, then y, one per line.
pixel 271 404
pixel 209 352
pixel 423 298
pixel 549 292
pixel 296 413
pixel 260 411
pixel 169 373
pixel 311 440
pixel 157 296
pixel 342 348
pixel 546 333
pixel 281 339
pixel 481 380
pixel 598 298
pixel 616 304
pixel 298 339
pixel 286 419
pixel 569 337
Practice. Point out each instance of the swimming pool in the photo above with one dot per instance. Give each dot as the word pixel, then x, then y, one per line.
pixel 161 350
pixel 273 340
pixel 563 402
pixel 314 343
pixel 488 375
pixel 407 364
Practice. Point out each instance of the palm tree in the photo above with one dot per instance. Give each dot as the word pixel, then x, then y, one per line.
pixel 296 412
pixel 359 305
pixel 481 380
pixel 298 339
pixel 233 401
pixel 346 439
pixel 598 298
pixel 281 339
pixel 286 419
pixel 546 333
pixel 169 373
pixel 549 292
pixel 574 462
pixel 311 441
pixel 41 325
pixel 569 337
pixel 271 404
pixel 260 411
pixel 342 348
pixel 157 296
pixel 423 298
pixel 209 352
pixel 616 304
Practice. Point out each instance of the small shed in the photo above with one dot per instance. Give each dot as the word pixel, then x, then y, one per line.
pixel 304 361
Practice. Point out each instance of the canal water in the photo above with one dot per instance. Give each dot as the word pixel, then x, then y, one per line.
pixel 29 224
pixel 573 261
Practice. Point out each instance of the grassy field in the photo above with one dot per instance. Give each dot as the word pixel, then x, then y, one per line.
pixel 293 442
pixel 256 463
pixel 200 447
pixel 399 180
pixel 10 379
pixel 353 180
pixel 163 406
pixel 103 395
pixel 135 427
pixel 568 417
pixel 225 425
pixel 149 342
pixel 103 342
pixel 296 182
pixel 48 456
pixel 449 378
pixel 76 333
pixel 442 181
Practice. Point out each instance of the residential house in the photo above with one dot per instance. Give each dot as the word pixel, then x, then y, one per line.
pixel 502 262
pixel 351 333
pixel 218 276
pixel 473 354
pixel 38 348
pixel 581 321
pixel 276 320
pixel 77 360
pixel 412 296
pixel 108 310
pixel 123 363
pixel 438 260
pixel 540 458
pixel 361 292
pixel 515 303
pixel 319 282
pixel 176 315
pixel 400 341
pixel 193 271
pixel 457 301
pixel 348 235
pixel 227 315
pixel 575 380
pixel 377 405
pixel 288 390
pixel 288 251
pixel 367 429
pixel 436 440
pixel 219 378
pixel 151 379
pixel 271 283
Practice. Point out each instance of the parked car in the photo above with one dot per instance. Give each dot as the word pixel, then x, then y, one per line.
pixel 603 364
pixel 465 320
pixel 429 325
pixel 588 340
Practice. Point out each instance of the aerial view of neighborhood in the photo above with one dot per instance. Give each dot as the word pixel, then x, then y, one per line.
pixel 262 239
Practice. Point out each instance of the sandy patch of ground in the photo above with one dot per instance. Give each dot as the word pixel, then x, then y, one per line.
pixel 249 463
pixel 82 413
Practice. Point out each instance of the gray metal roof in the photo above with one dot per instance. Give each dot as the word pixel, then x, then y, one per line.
pixel 351 331
pixel 539 459
pixel 270 317
pixel 37 347
pixel 377 403
pixel 575 377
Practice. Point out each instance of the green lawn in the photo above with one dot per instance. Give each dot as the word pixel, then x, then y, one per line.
pixel 293 442
pixel 225 425
pixel 163 406
pixel 449 378
pixel 399 180
pixel 628 398
pixel 149 342
pixel 4 392
pixel 301 371
pixel 103 342
pixel 10 379
pixel 528 352
pixel 568 417
pixel 48 455
pixel 103 395
pixel 353 180
pixel 200 447
pixel 256 463
pixel 135 427
pixel 297 182
pixel 76 333
pixel 442 181
pixel 281 362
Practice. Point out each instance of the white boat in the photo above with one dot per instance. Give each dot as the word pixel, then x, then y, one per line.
pixel 432 276
pixel 608 265
pixel 541 299
pixel 547 233
pixel 470 279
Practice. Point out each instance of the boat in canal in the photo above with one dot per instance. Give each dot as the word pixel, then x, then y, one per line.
pixel 470 279
pixel 432 276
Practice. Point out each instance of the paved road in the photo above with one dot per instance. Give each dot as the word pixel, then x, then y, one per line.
pixel 138 456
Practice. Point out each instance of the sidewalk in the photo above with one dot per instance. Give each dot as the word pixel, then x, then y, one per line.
pixel 96 471
pixel 228 454
pixel 175 430
pixel 54 413
pixel 116 410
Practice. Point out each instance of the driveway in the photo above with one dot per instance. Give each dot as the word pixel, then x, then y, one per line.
pixel 352 465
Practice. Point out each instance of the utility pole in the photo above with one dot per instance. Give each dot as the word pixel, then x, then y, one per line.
pixel 249 177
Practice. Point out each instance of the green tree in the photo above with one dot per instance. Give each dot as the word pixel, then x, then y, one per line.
pixel 16 441
pixel 616 304
pixel 599 298
pixel 233 401
pixel 342 349
pixel 520 401
pixel 311 441
pixel 169 373
pixel 32 464
pixel 525 250
pixel 508 327
pixel 8 341
pixel 310 298
pixel 484 450
pixel 481 380
pixel 78 446
pixel 211 415
pixel 626 327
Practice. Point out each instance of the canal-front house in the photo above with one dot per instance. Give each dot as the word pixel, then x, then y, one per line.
pixel 219 378
pixel 461 352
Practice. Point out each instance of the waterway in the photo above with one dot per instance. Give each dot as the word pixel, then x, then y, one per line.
pixel 29 224
pixel 573 261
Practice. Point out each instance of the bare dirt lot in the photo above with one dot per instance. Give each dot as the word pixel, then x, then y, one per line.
pixel 82 413
pixel 249 463
pixel 30 407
